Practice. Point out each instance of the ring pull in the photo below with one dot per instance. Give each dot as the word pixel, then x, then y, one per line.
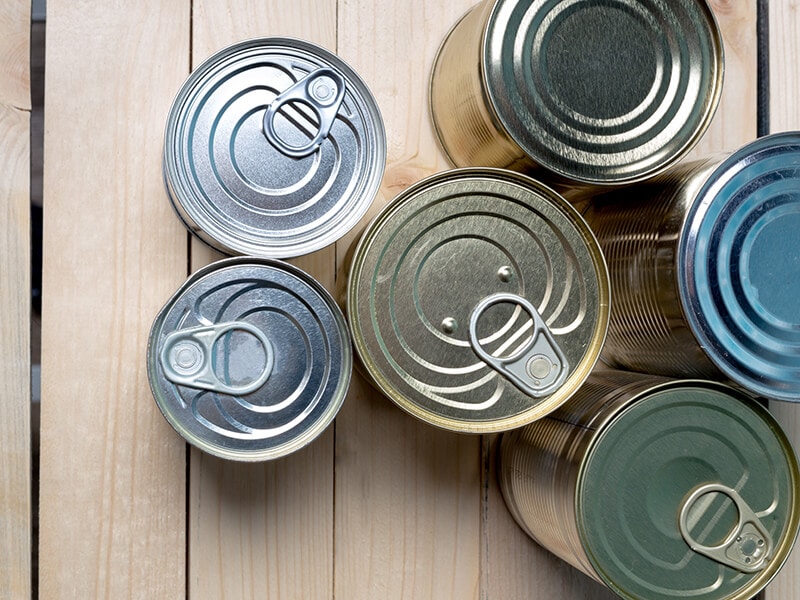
pixel 748 548
pixel 322 91
pixel 187 358
pixel 537 369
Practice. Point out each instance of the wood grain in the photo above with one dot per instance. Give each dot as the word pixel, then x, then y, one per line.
pixel 112 471
pixel 407 495
pixel 15 302
pixel 784 115
pixel 264 530
pixel 735 120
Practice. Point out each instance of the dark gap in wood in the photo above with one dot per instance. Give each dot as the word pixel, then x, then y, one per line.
pixel 762 72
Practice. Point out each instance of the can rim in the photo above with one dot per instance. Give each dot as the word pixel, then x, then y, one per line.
pixel 575 378
pixel 699 319
pixel 702 124
pixel 295 443
pixel 786 544
pixel 184 203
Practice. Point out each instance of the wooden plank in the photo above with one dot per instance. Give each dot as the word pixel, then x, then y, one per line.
pixel 264 530
pixel 735 121
pixel 784 89
pixel 112 470
pixel 15 302
pixel 407 495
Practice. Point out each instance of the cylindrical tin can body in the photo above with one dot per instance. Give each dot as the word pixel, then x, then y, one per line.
pixel 657 488
pixel 704 269
pixel 250 360
pixel 592 92
pixel 478 300
pixel 273 147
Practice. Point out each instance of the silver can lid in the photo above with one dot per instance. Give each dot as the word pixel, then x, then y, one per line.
pixel 250 360
pixel 274 147
pixel 603 91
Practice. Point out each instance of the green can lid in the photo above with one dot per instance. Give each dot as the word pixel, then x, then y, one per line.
pixel 689 493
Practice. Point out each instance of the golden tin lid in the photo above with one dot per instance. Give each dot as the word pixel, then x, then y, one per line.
pixel 603 91
pixel 478 300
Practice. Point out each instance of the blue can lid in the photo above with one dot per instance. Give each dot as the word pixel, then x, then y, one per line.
pixel 739 266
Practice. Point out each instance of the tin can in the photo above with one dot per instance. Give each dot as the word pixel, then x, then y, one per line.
pixel 274 147
pixel 600 92
pixel 250 359
pixel 657 488
pixel 705 269
pixel 478 300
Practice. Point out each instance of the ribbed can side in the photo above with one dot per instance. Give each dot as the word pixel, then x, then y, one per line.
pixel 465 125
pixel 638 230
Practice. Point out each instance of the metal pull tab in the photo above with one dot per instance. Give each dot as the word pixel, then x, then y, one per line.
pixel 322 91
pixel 187 358
pixel 537 369
pixel 748 547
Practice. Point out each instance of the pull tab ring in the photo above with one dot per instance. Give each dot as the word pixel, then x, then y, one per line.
pixel 322 91
pixel 748 547
pixel 187 358
pixel 540 367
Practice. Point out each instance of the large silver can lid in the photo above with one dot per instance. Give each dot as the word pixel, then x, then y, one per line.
pixel 274 147
pixel 250 359
pixel 478 300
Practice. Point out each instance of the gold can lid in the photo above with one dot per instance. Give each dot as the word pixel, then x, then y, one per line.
pixel 603 91
pixel 478 300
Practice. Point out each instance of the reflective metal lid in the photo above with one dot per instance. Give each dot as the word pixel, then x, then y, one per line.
pixel 250 360
pixel 739 266
pixel 691 492
pixel 603 91
pixel 478 300
pixel 274 147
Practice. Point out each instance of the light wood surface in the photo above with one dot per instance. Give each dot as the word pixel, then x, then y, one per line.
pixel 381 505
pixel 15 303
pixel 113 500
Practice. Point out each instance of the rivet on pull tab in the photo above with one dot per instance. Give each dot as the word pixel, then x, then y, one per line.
pixel 540 367
pixel 748 547
pixel 187 358
pixel 322 91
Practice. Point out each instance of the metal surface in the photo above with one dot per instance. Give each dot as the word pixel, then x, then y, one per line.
pixel 250 360
pixel 424 308
pixel 274 147
pixel 659 489
pixel 705 269
pixel 594 91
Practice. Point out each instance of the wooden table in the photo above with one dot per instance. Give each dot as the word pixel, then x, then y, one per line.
pixel 381 506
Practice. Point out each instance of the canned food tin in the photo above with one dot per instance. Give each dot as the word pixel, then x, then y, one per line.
pixel 478 300
pixel 274 147
pixel 250 359
pixel 706 273
pixel 601 92
pixel 659 489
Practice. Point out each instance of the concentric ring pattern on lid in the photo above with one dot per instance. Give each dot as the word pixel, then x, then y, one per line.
pixel 691 492
pixel 478 300
pixel 250 360
pixel 739 266
pixel 274 147
pixel 603 91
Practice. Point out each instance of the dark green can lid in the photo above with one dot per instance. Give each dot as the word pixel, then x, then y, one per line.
pixel 689 493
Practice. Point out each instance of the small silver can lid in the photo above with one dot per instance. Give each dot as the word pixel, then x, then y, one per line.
pixel 250 359
pixel 274 147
